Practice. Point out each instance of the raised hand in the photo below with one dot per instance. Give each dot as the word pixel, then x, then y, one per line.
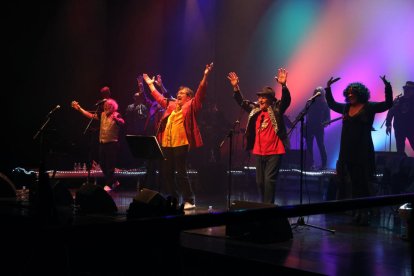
pixel 233 78
pixel 75 105
pixel 281 76
pixel 208 69
pixel 148 80
pixel 158 81
pixel 384 80
pixel 332 80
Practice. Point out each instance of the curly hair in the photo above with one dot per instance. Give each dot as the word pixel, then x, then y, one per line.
pixel 112 103
pixel 359 90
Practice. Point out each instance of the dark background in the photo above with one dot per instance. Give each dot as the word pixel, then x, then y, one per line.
pixel 68 50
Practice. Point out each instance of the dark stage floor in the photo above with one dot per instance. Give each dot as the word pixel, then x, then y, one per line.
pixel 380 248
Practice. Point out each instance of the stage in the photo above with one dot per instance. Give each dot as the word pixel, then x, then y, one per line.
pixel 101 243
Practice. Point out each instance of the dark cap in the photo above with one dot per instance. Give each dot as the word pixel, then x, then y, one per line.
pixel 267 92
pixel 409 85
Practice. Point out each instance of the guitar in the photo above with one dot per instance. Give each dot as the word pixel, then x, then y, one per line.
pixel 327 123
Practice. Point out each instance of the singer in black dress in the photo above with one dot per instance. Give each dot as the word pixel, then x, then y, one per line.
pixel 356 162
pixel 265 132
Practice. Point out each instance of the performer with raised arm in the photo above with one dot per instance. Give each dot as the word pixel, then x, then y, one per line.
pixel 137 113
pixel 265 131
pixel 178 133
pixel 356 162
pixel 110 124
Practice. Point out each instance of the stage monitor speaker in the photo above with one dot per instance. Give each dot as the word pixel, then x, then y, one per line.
pixel 92 198
pixel 7 188
pixel 261 231
pixel 61 194
pixel 149 203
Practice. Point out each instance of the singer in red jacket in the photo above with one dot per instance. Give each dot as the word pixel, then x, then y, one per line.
pixel 177 133
pixel 265 132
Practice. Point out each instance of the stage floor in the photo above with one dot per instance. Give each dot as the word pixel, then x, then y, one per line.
pixel 377 249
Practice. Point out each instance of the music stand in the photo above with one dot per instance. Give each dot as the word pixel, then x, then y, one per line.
pixel 146 147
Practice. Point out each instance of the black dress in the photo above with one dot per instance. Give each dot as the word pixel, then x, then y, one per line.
pixel 356 162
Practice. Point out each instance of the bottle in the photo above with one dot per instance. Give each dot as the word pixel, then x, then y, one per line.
pixel 24 194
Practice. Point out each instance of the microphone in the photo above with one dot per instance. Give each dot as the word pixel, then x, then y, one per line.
pixel 53 110
pixel 248 102
pixel 101 102
pixel 314 96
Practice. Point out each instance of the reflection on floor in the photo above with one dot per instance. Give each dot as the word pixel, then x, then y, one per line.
pixel 379 248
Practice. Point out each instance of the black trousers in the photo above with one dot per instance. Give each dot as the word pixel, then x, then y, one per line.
pixel 175 181
pixel 318 135
pixel 267 170
pixel 108 153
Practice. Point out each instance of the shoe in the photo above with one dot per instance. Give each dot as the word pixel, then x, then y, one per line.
pixel 107 188
pixel 189 206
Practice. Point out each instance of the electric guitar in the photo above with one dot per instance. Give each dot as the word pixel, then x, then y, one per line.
pixel 327 123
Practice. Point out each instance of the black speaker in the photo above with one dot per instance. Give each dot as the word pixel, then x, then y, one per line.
pixel 92 198
pixel 261 231
pixel 7 188
pixel 61 194
pixel 149 203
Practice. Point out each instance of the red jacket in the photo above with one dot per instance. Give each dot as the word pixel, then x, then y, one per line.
pixel 190 112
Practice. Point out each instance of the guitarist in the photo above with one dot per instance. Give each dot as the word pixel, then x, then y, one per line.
pixel 319 112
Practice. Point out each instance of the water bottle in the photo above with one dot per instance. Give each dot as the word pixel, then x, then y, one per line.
pixel 25 194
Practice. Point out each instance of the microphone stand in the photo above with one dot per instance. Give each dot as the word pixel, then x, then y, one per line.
pixel 40 132
pixel 300 118
pixel 41 194
pixel 89 163
pixel 230 136
pixel 389 146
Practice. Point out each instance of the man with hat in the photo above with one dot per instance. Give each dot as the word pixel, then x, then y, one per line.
pixel 402 112
pixel 265 131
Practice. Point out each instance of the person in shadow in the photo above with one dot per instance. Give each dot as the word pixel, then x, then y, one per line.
pixel 317 114
pixel 402 112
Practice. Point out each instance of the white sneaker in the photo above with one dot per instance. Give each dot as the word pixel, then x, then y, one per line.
pixel 107 188
pixel 189 206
